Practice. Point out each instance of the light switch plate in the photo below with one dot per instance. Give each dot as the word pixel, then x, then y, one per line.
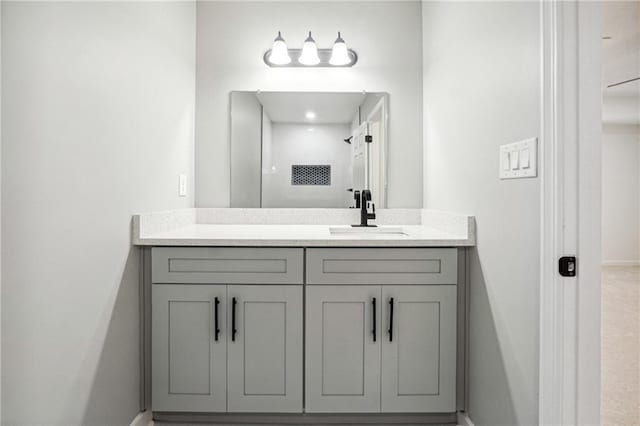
pixel 522 158
pixel 182 185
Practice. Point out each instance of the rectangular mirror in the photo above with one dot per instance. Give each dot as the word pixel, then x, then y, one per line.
pixel 308 149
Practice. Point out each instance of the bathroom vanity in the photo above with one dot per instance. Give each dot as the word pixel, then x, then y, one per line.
pixel 294 314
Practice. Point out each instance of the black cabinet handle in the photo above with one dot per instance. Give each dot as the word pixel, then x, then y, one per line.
pixel 373 307
pixel 215 318
pixel 233 319
pixel 391 319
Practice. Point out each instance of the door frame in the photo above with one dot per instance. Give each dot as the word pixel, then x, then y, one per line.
pixel 569 375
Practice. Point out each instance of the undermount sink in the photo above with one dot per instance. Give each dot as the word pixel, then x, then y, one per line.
pixel 377 230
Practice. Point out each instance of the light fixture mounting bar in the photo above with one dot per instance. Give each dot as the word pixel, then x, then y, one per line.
pixel 323 54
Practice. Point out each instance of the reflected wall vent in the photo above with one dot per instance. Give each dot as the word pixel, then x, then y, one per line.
pixel 304 174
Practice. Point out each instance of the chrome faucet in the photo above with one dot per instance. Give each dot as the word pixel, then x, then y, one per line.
pixel 364 204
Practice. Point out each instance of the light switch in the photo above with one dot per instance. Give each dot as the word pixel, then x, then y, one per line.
pixel 182 185
pixel 514 158
pixel 506 166
pixel 524 159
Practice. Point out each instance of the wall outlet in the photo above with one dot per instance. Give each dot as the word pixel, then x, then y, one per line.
pixel 519 159
pixel 182 185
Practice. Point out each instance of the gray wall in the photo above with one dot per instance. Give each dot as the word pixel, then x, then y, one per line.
pixel 233 36
pixel 481 90
pixel 98 113
pixel 246 150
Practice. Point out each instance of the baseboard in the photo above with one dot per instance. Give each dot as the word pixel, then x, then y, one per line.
pixel 144 418
pixel 464 420
pixel 621 263
pixel 298 419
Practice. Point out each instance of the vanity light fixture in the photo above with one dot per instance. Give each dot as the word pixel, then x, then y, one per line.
pixel 310 115
pixel 279 54
pixel 310 55
pixel 339 53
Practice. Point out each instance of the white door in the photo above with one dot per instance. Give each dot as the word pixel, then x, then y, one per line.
pixel 343 349
pixel 265 350
pixel 377 153
pixel 373 163
pixel 419 352
pixel 359 157
pixel 188 356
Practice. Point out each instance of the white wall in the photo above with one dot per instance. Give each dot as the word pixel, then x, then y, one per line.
pixel 481 90
pixel 233 36
pixel 98 113
pixel 0 211
pixel 621 194
pixel 310 145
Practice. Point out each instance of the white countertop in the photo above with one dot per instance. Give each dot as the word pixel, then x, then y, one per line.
pixel 298 236
pixel 211 227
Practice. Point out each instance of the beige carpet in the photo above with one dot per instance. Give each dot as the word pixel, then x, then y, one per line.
pixel 621 345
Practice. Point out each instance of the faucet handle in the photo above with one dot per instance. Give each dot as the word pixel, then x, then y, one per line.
pixel 371 215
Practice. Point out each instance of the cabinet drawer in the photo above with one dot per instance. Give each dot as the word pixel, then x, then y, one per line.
pixel 382 266
pixel 213 265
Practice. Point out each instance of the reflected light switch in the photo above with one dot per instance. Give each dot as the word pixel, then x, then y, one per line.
pixel 182 185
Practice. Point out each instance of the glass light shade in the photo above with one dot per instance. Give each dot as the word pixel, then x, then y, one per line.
pixel 339 53
pixel 309 54
pixel 279 53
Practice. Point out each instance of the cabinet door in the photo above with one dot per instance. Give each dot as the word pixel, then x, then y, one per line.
pixel 188 364
pixel 342 356
pixel 265 352
pixel 419 357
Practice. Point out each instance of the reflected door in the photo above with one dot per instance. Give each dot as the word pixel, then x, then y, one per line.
pixel 359 157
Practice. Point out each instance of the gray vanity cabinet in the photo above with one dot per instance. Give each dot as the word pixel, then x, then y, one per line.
pixel 342 355
pixel 379 330
pixel 189 365
pixel 226 329
pixel 385 348
pixel 252 364
pixel 265 352
pixel 419 357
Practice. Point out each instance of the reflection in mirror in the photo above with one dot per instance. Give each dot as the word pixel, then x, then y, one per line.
pixel 303 149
